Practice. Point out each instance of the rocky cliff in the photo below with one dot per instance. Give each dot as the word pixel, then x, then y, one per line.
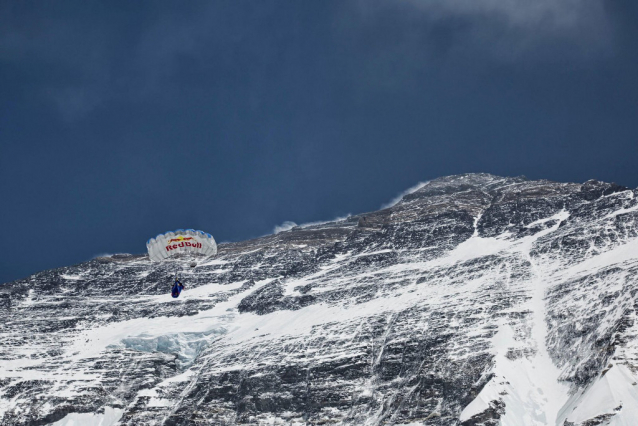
pixel 475 300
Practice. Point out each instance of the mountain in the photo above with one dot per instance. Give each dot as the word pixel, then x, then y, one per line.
pixel 475 300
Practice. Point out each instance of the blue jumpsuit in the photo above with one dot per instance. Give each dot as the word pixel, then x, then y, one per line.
pixel 177 289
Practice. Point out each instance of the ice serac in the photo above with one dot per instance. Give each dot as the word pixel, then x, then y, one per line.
pixel 475 300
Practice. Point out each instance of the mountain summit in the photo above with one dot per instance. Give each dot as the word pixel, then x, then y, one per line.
pixel 474 300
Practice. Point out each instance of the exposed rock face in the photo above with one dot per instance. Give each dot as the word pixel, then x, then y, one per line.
pixel 476 300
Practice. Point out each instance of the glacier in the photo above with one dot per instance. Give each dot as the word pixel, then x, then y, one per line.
pixel 473 299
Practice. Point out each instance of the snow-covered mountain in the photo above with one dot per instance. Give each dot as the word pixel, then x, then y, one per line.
pixel 475 300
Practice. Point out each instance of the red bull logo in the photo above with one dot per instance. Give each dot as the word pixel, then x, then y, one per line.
pixel 181 242
pixel 179 239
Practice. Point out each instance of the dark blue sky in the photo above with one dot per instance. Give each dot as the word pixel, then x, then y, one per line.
pixel 120 120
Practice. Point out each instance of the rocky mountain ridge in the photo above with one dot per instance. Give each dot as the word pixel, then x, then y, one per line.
pixel 475 300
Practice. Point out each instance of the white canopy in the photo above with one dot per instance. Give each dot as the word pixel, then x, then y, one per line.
pixel 181 241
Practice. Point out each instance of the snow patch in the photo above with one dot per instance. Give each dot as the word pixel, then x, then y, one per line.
pixel 71 277
pixel 525 378
pixel 614 393
pixel 529 391
pixel 622 211
pixel 626 253
pixel 540 221
pixel 187 346
pixel 110 417
pixel 476 247
pixel 147 333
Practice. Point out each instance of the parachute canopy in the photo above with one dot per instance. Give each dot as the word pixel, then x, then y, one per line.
pixel 181 241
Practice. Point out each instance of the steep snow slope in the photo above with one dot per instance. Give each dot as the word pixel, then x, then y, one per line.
pixel 475 300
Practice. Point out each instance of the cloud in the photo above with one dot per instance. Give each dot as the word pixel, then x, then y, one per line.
pixel 399 197
pixel 540 16
pixel 545 14
pixel 504 28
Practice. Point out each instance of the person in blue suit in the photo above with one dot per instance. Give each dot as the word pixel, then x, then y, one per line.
pixel 177 288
